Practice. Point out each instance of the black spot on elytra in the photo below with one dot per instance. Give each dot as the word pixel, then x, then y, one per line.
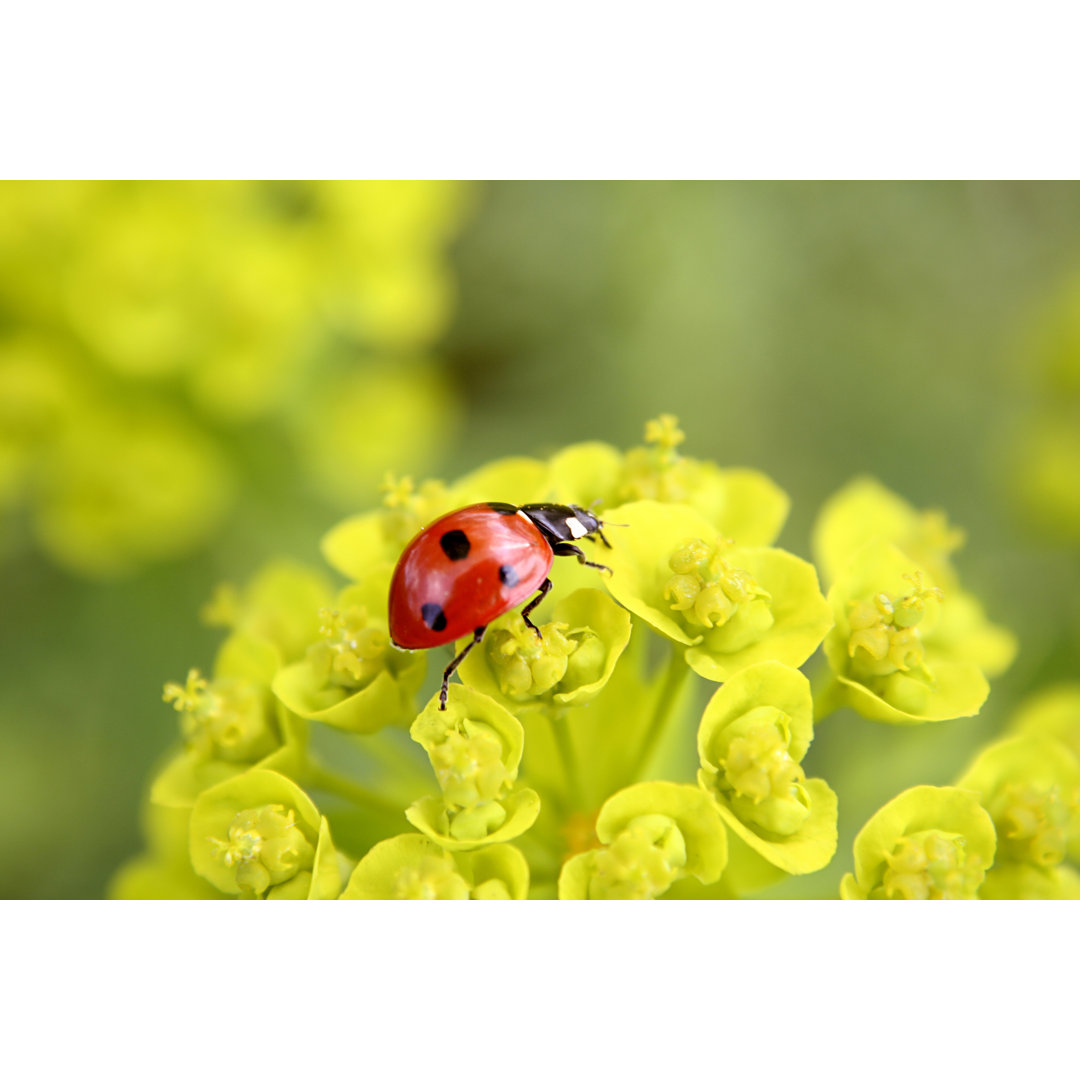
pixel 434 617
pixel 455 544
pixel 508 575
pixel 503 508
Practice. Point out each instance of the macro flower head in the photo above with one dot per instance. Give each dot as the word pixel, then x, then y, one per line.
pixel 646 734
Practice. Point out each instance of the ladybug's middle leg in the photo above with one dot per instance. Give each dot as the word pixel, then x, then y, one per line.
pixel 564 548
pixel 545 588
pixel 478 633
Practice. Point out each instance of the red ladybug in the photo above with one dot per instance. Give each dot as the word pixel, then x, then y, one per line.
pixel 475 564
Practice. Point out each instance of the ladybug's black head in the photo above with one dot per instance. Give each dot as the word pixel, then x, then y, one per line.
pixel 592 525
pixel 564 524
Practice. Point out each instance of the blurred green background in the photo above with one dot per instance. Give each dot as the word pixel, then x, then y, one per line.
pixel 195 378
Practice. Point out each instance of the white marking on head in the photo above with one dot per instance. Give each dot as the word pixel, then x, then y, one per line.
pixel 577 530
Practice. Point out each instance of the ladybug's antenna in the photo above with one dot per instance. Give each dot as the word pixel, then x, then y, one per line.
pixel 602 525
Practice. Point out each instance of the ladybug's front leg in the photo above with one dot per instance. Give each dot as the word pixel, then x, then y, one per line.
pixel 478 633
pixel 545 588
pixel 564 548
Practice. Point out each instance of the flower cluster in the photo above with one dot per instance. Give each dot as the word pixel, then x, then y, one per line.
pixel 136 340
pixel 315 760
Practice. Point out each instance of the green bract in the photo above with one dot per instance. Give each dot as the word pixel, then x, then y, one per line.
pixel 1030 785
pixel 569 665
pixel 412 867
pixel 929 843
pixel 260 835
pixel 164 871
pixel 754 733
pixel 733 606
pixel 865 511
pixel 1054 712
pixel 352 677
pixel 883 648
pixel 654 834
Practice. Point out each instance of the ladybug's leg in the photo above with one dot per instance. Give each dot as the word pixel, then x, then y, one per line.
pixel 545 588
pixel 478 633
pixel 570 549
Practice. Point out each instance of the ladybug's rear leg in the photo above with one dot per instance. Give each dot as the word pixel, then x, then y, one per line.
pixel 564 548
pixel 478 633
pixel 545 588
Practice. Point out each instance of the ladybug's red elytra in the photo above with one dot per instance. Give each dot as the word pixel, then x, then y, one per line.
pixel 477 563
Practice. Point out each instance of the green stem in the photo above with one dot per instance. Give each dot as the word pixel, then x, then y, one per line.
pixel 564 744
pixel 325 780
pixel 391 752
pixel 677 670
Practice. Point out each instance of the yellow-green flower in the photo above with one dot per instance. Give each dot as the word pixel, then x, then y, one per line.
pixel 146 307
pixel 227 718
pixel 884 649
pixel 569 664
pixel 366 540
pixel 653 834
pixel 1030 786
pixel 866 512
pixel 475 747
pixel 733 606
pixel 1055 712
pixel 228 722
pixel 120 487
pixel 163 871
pixel 753 736
pixel 258 835
pixel 929 843
pixel 412 867
pixel 280 605
pixel 742 504
pixel 352 677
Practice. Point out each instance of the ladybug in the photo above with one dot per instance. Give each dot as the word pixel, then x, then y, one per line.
pixel 477 563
